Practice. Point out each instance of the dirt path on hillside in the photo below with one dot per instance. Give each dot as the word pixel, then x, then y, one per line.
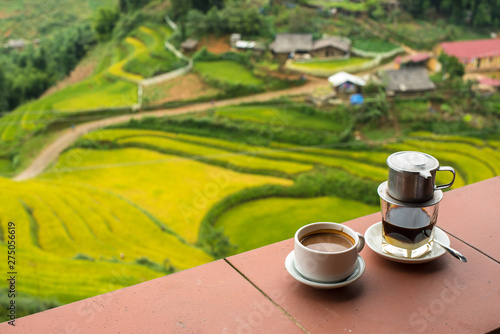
pixel 68 137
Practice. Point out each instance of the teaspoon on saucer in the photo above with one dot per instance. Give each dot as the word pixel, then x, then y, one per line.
pixel 452 251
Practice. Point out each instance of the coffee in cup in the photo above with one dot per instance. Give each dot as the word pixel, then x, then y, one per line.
pixel 326 252
pixel 327 241
pixel 408 228
pixel 408 231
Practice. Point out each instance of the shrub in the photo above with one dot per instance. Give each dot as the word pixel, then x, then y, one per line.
pixel 81 256
pixel 166 267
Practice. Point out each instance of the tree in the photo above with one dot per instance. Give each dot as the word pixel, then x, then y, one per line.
pixel 214 21
pixel 451 66
pixel 205 5
pixel 104 23
pixel 180 8
pixel 40 59
pixel 302 21
pixel 196 23
pixel 130 5
pixel 375 9
pixel 218 243
pixel 4 92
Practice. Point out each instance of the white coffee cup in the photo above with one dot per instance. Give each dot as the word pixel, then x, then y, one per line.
pixel 331 264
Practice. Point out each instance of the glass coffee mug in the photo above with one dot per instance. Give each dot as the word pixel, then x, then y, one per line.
pixel 408 228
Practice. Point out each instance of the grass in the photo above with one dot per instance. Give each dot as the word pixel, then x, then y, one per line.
pixel 265 221
pixel 353 7
pixel 331 65
pixel 422 34
pixel 5 165
pixel 32 19
pixel 227 71
pixel 148 179
pixel 373 45
pixel 279 116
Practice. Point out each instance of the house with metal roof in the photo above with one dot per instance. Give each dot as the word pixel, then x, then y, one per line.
pixel 346 83
pixel 476 55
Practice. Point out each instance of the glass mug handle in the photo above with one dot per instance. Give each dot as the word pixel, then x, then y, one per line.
pixel 446 169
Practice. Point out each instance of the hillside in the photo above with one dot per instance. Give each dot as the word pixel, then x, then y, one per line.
pixel 32 19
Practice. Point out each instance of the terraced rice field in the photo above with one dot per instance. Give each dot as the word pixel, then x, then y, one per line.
pixel 95 92
pixel 227 71
pixel 238 160
pixel 328 67
pixel 117 68
pixel 56 222
pixel 177 191
pixel 153 59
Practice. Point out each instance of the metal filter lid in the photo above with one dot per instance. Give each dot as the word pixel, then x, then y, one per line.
pixel 382 192
pixel 411 161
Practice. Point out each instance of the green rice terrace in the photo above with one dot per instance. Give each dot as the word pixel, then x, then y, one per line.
pixel 146 198
pixel 329 67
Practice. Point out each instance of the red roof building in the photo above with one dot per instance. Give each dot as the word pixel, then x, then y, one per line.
pixel 489 82
pixel 476 55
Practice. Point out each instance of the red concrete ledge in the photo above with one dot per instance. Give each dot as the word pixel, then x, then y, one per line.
pixel 211 298
pixel 253 293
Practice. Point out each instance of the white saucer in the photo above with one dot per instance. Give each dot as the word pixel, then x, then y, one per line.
pixel 373 238
pixel 290 267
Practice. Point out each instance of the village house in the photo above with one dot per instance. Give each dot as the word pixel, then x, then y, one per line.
pixel 345 83
pixel 419 59
pixel 17 44
pixel 407 80
pixel 286 45
pixel 189 45
pixel 331 47
pixel 489 85
pixel 476 55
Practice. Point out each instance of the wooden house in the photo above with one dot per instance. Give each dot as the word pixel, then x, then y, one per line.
pixel 189 45
pixel 331 47
pixel 407 80
pixel 286 45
